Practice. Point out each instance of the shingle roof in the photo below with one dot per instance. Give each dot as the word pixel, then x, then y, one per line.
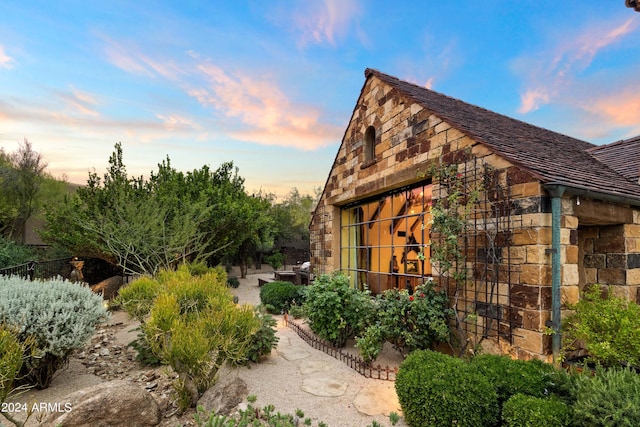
pixel 550 156
pixel 623 156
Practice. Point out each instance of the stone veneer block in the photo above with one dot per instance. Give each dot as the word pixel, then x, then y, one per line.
pixel 569 295
pixel 536 254
pixel 570 254
pixel 633 276
pixel 568 221
pixel 570 275
pixel 591 276
pixel 535 274
pixel 632 230
pixel 612 276
pixel 532 341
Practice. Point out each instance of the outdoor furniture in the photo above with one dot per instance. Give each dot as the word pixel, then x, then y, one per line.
pixel 285 276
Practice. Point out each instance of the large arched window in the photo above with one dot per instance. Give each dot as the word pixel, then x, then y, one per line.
pixel 369 144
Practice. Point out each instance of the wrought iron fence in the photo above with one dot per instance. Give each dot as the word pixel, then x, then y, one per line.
pixel 41 270
pixel 356 363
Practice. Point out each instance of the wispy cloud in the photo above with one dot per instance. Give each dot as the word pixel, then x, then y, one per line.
pixel 548 74
pixel 79 102
pixel 267 115
pixel 132 59
pixel 323 22
pixel 5 60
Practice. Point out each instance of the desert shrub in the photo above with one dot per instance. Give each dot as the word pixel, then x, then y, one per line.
pixel 233 282
pixel 11 353
pixel 198 268
pixel 337 311
pixel 136 298
pixel 195 327
pixel 530 377
pixel 408 322
pixel 279 296
pixel 58 316
pixel 528 411
pixel 609 328
pixel 611 397
pixel 435 389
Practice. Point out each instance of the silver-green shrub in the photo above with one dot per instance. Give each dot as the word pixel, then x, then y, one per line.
pixel 57 315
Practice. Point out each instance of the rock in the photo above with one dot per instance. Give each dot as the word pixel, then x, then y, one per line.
pixel 113 403
pixel 224 398
pixel 108 288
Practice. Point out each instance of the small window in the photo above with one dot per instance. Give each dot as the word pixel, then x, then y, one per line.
pixel 370 144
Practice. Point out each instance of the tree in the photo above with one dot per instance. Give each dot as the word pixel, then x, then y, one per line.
pixel 144 225
pixel 21 177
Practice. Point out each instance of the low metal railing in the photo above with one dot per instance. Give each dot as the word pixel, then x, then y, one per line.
pixel 37 269
pixel 356 363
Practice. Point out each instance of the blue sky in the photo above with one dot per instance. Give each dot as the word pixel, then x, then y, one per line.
pixel 271 84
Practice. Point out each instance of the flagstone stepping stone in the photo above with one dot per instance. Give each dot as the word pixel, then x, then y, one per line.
pixel 311 366
pixel 324 386
pixel 377 399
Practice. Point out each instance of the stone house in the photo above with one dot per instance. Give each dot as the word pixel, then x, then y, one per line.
pixel 546 214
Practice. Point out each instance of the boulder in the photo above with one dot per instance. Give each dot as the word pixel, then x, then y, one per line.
pixel 224 398
pixel 108 288
pixel 113 403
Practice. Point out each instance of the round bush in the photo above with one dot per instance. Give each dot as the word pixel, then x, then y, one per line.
pixel 233 282
pixel 435 389
pixel 529 377
pixel 528 411
pixel 58 316
pixel 279 296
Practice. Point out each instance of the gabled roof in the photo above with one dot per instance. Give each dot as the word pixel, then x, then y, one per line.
pixel 623 156
pixel 550 156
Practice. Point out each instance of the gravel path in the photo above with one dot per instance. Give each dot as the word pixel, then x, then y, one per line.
pixel 294 376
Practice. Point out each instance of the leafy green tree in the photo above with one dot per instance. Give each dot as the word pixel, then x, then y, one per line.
pixel 21 176
pixel 173 217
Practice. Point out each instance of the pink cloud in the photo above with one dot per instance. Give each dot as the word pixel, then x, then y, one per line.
pixel 549 74
pixel 323 22
pixel 5 60
pixel 272 118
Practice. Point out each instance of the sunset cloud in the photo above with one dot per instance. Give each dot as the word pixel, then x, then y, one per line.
pixel 5 60
pixel 549 74
pixel 272 118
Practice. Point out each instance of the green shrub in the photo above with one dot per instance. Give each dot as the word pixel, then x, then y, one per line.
pixel 530 377
pixel 297 311
pixel 408 322
pixel 198 268
pixel 435 389
pixel 279 296
pixel 275 260
pixel 337 311
pixel 233 282
pixel 264 340
pixel 136 298
pixel 59 316
pixel 609 328
pixel 528 411
pixel 195 327
pixel 12 254
pixel 609 398
pixel 11 353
